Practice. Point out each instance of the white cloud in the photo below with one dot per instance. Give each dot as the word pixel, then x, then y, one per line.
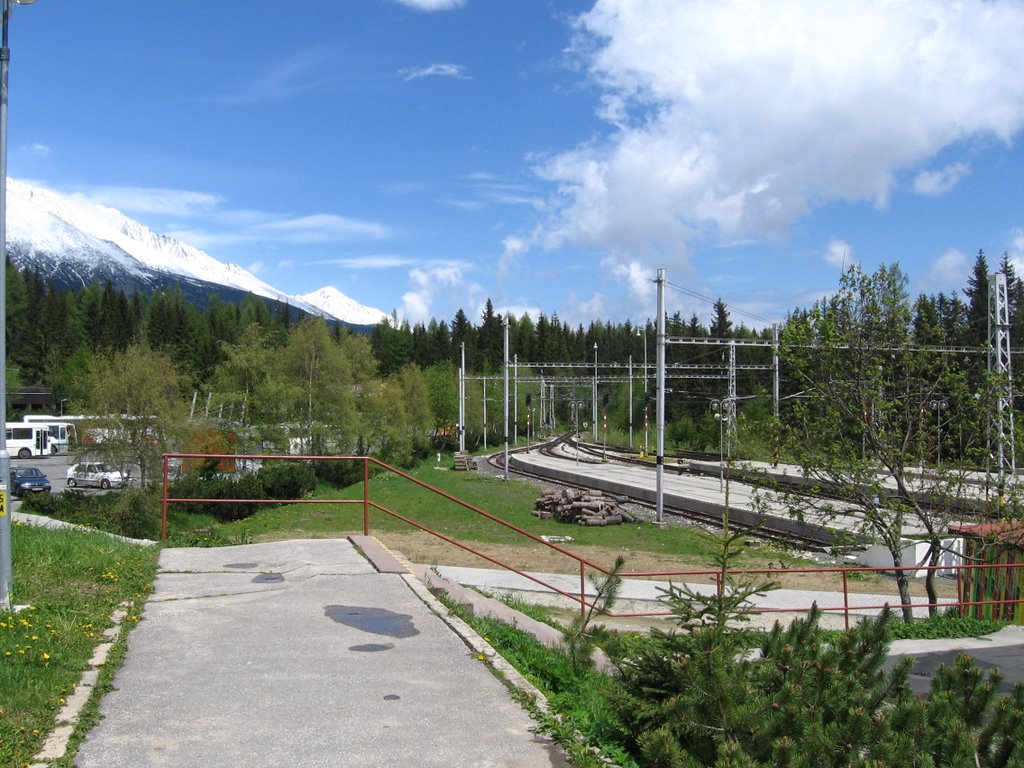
pixel 576 310
pixel 456 71
pixel 152 200
pixel 518 310
pixel 444 283
pixel 38 149
pixel 935 183
pixel 945 273
pixel 323 227
pixel 735 119
pixel 307 70
pixel 839 254
pixel 431 6
pixel 637 276
pixel 515 247
pixel 257 268
pixel 371 261
pixel 1017 237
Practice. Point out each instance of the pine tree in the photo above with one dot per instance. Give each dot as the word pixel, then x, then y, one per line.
pixel 977 307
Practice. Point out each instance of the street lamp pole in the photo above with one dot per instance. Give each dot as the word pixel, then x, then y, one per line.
pixel 595 392
pixel 5 457
pixel 643 331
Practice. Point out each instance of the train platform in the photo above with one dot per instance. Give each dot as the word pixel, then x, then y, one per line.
pixel 303 653
pixel 693 485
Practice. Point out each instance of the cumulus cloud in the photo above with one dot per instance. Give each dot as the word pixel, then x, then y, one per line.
pixel 734 119
pixel 445 283
pixel 946 272
pixel 457 71
pixel 839 254
pixel 935 183
pixel 430 6
pixel 636 276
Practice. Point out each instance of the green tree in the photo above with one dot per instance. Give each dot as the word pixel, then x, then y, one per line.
pixel 865 424
pixel 318 380
pixel 697 695
pixel 135 399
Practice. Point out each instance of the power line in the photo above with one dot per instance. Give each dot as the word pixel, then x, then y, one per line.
pixel 702 297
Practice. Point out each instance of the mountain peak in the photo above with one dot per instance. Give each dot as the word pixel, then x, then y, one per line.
pixel 332 301
pixel 82 242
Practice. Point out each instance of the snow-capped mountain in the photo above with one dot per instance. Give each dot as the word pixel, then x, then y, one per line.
pixel 337 304
pixel 75 242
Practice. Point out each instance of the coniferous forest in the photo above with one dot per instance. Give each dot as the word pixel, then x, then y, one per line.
pixel 278 377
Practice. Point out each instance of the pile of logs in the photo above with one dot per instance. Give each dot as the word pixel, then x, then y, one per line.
pixel 465 463
pixel 585 507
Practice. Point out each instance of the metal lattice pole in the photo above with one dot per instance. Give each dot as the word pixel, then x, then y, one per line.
pixel 1002 433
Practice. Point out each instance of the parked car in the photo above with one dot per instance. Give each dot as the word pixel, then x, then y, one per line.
pixel 95 475
pixel 28 480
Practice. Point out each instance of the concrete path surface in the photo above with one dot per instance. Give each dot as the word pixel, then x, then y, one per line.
pixel 302 654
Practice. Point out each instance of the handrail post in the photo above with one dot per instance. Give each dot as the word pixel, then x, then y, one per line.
pixel 366 496
pixel 846 598
pixel 163 512
pixel 583 591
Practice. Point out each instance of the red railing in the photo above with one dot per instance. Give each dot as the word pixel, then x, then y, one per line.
pixel 718 576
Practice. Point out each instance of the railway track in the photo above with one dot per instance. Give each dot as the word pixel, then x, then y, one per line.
pixel 778 529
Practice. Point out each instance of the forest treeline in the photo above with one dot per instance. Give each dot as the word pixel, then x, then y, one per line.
pixel 55 338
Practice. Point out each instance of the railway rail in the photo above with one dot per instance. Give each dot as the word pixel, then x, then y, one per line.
pixel 758 524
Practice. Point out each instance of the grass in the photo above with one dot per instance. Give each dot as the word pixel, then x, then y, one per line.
pixel 511 501
pixel 70 581
pixel 73 580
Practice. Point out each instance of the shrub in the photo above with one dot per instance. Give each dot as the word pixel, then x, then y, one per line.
pixel 275 480
pixel 133 512
pixel 287 479
pixel 696 697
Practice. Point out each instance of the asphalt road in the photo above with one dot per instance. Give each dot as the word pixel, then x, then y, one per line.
pixel 55 468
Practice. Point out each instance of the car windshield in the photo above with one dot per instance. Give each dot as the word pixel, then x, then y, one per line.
pixel 27 472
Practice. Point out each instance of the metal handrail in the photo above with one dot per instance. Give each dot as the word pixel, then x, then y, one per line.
pixel 582 563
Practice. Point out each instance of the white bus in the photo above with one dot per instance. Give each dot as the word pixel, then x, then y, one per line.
pixel 39 435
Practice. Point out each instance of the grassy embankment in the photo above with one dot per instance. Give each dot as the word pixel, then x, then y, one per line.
pixel 69 583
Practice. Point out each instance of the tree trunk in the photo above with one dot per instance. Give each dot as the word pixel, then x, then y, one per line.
pixel 929 581
pixel 902 584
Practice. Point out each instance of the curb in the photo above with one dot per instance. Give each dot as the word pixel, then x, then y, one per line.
pixel 56 745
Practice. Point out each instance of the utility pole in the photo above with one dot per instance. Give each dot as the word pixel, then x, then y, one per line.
pixel 660 394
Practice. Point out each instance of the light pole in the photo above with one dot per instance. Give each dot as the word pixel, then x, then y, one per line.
pixel 643 331
pixel 595 392
pixel 724 413
pixel 5 458
pixel 718 407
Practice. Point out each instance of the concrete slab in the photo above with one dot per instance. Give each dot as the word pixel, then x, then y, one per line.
pixel 333 664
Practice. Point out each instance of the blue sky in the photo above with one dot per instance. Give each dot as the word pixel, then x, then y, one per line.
pixel 425 155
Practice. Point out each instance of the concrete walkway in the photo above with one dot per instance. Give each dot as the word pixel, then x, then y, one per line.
pixel 302 654
pixel 642 595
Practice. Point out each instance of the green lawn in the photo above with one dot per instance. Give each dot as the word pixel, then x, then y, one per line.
pixel 511 501
pixel 70 582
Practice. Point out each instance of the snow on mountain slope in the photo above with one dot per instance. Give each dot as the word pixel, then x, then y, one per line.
pixel 337 304
pixel 70 229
